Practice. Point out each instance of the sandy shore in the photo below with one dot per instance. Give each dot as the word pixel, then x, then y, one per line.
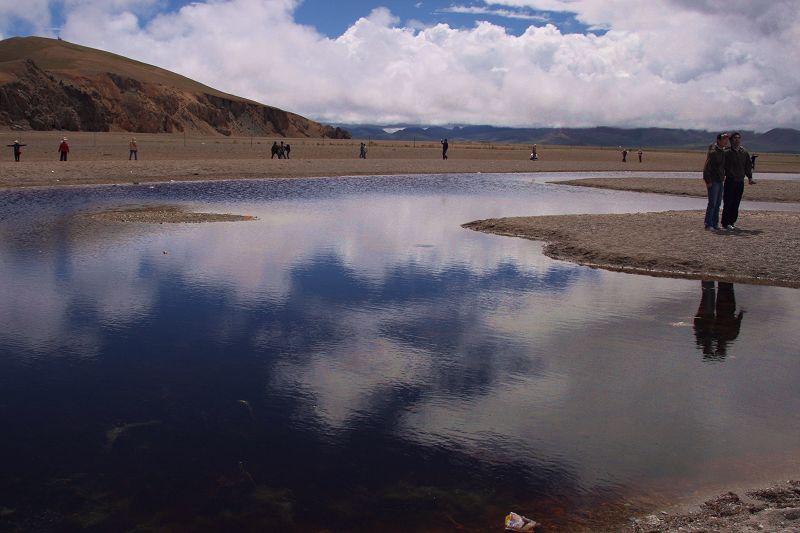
pixel 160 214
pixel 775 509
pixel 672 243
pixel 102 158
pixel 764 190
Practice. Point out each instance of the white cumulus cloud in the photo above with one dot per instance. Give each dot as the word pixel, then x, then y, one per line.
pixel 670 63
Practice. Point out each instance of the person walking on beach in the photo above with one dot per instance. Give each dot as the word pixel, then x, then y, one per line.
pixel 63 149
pixel 640 155
pixel 133 149
pixel 624 155
pixel 281 151
pixel 362 151
pixel 275 150
pixel 17 149
pixel 738 165
pixel 713 176
pixel 445 146
pixel 288 149
pixel 534 155
pixel 753 161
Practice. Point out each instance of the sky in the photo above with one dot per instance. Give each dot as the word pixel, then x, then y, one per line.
pixel 707 64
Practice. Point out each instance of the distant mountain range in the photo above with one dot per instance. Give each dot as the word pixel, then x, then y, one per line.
pixel 775 140
pixel 50 84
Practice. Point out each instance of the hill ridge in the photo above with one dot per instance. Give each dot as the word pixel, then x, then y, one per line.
pixel 49 84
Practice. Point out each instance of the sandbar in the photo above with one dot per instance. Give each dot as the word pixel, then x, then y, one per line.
pixel 765 251
pixel 763 190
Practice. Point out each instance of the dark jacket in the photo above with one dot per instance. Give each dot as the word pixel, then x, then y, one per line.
pixel 17 147
pixel 738 165
pixel 714 169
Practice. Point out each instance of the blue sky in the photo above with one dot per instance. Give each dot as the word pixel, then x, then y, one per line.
pixel 526 63
pixel 333 18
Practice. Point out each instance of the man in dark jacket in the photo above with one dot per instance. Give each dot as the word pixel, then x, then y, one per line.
pixel 714 175
pixel 17 146
pixel 738 165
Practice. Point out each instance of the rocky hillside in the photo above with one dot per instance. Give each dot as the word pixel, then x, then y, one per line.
pixel 48 84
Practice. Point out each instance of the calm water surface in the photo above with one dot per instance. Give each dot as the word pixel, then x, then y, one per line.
pixel 354 360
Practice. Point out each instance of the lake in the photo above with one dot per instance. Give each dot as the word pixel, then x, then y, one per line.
pixel 354 360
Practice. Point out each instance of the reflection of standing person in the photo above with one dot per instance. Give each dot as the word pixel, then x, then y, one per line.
pixel 362 151
pixel 63 149
pixel 640 155
pixel 737 166
pixel 133 149
pixel 716 323
pixel 625 155
pixel 713 175
pixel 17 149
pixel 288 149
pixel 445 146
pixel 534 155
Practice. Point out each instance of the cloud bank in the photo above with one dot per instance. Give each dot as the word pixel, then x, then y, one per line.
pixel 669 63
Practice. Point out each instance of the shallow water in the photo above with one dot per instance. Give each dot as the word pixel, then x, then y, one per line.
pixel 354 359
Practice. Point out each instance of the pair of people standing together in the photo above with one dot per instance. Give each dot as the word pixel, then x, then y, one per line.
pixel 724 173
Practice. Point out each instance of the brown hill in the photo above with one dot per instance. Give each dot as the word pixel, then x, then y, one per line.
pixel 49 84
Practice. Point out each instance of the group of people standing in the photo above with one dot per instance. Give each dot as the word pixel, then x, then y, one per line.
pixel 625 153
pixel 63 149
pixel 724 172
pixel 281 150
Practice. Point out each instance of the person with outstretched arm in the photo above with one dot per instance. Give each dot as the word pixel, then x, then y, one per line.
pixel 17 149
pixel 738 166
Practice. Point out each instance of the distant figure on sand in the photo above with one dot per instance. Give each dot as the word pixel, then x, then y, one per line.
pixel 534 155
pixel 288 149
pixel 445 146
pixel 133 149
pixel 738 165
pixel 281 151
pixel 17 149
pixel 640 155
pixel 362 151
pixel 624 155
pixel 275 150
pixel 753 161
pixel 63 149
pixel 716 323
pixel 713 176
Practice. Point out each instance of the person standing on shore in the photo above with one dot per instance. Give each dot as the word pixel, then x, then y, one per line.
pixel 133 149
pixel 738 165
pixel 445 146
pixel 640 155
pixel 288 149
pixel 63 149
pixel 625 155
pixel 713 176
pixel 362 151
pixel 17 149
pixel 534 154
pixel 753 161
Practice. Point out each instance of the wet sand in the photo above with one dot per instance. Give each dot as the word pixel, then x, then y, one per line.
pixel 673 244
pixel 102 158
pixel 160 214
pixel 764 190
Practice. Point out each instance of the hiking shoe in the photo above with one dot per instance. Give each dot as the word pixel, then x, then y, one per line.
pixel 730 227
